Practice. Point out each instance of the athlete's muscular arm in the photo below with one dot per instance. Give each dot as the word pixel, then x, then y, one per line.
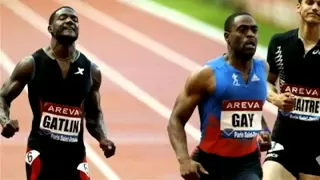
pixel 93 113
pixel 284 101
pixel 264 124
pixel 273 71
pixel 272 91
pixel 94 116
pixel 198 85
pixel 264 137
pixel 14 85
pixel 267 70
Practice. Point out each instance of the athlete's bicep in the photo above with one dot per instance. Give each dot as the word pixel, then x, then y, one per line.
pixel 272 78
pixel 93 101
pixel 92 105
pixel 93 112
pixel 196 87
pixel 19 78
pixel 185 105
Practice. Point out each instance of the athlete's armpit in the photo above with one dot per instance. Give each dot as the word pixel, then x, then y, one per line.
pixel 198 85
pixel 14 85
pixel 93 112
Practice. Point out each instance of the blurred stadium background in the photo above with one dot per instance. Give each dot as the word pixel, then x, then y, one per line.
pixel 272 15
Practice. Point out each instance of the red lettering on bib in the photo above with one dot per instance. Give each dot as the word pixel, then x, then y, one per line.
pixel 63 110
pixel 63 123
pixel 241 119
pixel 230 105
pixel 307 105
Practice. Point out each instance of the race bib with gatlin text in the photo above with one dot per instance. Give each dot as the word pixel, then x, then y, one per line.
pixel 62 122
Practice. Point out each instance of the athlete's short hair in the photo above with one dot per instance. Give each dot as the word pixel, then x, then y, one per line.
pixel 52 16
pixel 230 19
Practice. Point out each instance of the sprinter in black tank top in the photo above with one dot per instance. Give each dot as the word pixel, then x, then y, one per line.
pixel 63 90
pixel 294 58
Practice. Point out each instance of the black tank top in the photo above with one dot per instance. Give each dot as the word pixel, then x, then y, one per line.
pixel 57 103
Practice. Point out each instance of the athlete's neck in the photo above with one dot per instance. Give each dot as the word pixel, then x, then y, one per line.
pixel 309 33
pixel 243 65
pixel 62 52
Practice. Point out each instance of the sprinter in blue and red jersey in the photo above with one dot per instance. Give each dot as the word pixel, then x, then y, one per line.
pixel 230 92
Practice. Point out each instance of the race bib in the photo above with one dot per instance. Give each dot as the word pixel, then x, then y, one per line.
pixel 241 119
pixel 63 123
pixel 307 106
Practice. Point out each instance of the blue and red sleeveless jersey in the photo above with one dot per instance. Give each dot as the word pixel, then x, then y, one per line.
pixel 231 116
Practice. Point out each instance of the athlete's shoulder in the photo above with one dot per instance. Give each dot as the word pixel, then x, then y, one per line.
pixel 84 59
pixel 27 62
pixel 95 74
pixel 38 53
pixel 262 63
pixel 284 36
pixel 216 63
pixel 258 60
pixel 203 72
pixel 201 75
pixel 25 68
pixel 200 80
pixel 94 68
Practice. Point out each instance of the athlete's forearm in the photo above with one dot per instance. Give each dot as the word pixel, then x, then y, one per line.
pixel 178 139
pixel 264 124
pixel 96 127
pixel 4 111
pixel 272 94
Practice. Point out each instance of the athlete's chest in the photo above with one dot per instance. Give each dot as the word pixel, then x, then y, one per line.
pixel 252 87
pixel 242 100
pixel 67 83
pixel 296 66
pixel 64 68
pixel 62 91
pixel 60 122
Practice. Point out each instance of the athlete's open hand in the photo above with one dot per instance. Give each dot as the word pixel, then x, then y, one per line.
pixel 190 169
pixel 10 128
pixel 108 147
pixel 264 140
pixel 285 102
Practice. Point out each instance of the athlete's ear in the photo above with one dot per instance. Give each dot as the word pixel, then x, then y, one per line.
pixel 226 36
pixel 50 29
pixel 298 7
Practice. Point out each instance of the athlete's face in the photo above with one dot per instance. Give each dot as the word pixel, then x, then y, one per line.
pixel 243 36
pixel 309 11
pixel 65 27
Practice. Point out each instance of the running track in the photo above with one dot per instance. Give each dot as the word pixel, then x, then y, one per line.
pixel 141 81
